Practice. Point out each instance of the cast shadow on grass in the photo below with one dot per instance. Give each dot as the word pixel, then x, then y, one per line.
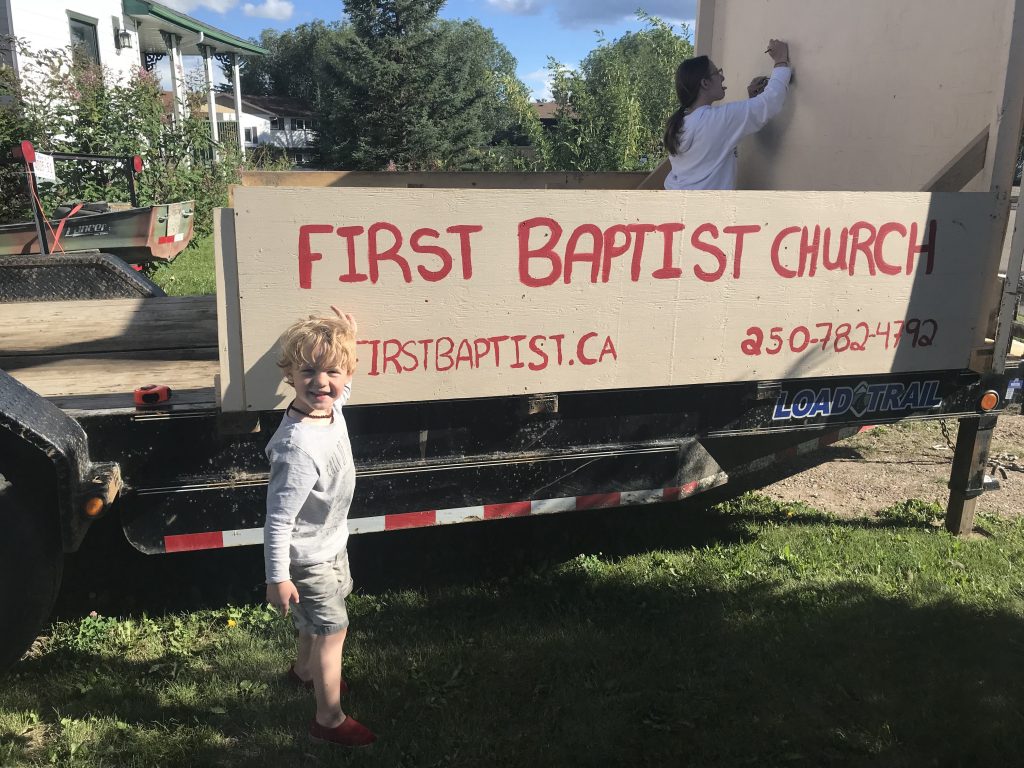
pixel 595 667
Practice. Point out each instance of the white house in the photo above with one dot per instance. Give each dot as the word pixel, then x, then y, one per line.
pixel 283 123
pixel 123 34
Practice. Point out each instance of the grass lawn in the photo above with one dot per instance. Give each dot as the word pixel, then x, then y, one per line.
pixel 785 637
pixel 191 273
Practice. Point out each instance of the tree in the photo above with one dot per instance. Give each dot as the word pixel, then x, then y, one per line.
pixel 292 66
pixel 415 91
pixel 612 111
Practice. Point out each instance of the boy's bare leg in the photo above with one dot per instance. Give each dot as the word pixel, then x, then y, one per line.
pixel 304 656
pixel 326 667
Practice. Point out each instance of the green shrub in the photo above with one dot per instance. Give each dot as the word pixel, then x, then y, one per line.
pixel 68 105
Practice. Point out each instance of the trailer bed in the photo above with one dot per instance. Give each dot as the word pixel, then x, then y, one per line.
pixel 92 355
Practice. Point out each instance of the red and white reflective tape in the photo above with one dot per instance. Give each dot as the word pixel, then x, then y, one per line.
pixel 403 520
pixel 170 238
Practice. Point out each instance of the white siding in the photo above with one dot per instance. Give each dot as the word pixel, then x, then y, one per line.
pixel 45 24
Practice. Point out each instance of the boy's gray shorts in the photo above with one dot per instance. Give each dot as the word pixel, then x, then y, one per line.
pixel 322 588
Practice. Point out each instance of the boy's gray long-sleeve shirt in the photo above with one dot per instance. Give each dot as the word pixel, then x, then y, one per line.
pixel 312 479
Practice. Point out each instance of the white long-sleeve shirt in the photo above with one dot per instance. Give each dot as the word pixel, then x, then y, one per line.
pixel 312 480
pixel 706 158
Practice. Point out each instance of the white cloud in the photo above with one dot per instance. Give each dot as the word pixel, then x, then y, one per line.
pixel 518 7
pixel 572 13
pixel 186 6
pixel 539 82
pixel 279 10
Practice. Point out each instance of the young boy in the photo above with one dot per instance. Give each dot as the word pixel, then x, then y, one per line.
pixel 311 484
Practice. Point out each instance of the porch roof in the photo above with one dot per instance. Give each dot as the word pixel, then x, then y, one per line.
pixel 153 18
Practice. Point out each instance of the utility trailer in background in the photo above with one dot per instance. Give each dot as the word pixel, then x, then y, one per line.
pixel 534 343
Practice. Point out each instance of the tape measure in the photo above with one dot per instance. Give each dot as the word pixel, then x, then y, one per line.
pixel 152 394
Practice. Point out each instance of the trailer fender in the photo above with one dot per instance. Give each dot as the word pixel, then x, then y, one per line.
pixel 34 435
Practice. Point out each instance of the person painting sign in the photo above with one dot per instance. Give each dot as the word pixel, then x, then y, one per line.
pixel 701 137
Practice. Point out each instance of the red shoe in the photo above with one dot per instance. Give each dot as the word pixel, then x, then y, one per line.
pixel 298 682
pixel 350 733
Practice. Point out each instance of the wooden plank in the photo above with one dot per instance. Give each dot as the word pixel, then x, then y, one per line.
pixel 201 399
pixel 551 292
pixel 452 180
pixel 836 134
pixel 88 327
pixel 957 173
pixel 231 382
pixel 705 31
pixel 112 373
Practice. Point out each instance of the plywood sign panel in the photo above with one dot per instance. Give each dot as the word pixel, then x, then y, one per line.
pixel 481 293
pixel 885 93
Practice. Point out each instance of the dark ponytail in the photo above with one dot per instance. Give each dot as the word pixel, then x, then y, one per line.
pixel 688 77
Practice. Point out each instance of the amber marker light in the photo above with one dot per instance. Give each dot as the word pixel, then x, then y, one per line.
pixel 93 506
pixel 989 400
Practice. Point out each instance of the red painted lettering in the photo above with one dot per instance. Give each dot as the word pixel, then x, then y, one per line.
pixel 667 271
pixel 640 232
pixel 519 361
pixel 781 270
pixel 593 256
pixel 884 231
pixel 537 347
pixel 464 354
pixel 349 235
pixel 391 254
pixel 447 354
pixel 810 248
pixel 924 249
pixel 465 247
pixel 608 349
pixel 392 357
pixel 374 343
pixel 581 353
pixel 857 245
pixel 840 261
pixel 714 250
pixel 613 251
pixel 496 341
pixel 306 255
pixel 546 251
pixel 417 246
pixel 740 231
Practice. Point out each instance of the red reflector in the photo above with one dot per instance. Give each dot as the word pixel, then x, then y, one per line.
pixel 189 542
pixel 137 164
pixel 410 520
pixel 514 509
pixel 598 501
pixel 27 151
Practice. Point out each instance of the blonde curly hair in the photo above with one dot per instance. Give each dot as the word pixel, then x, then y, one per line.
pixel 325 342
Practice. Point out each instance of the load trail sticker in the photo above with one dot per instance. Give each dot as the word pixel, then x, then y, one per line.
pixel 885 397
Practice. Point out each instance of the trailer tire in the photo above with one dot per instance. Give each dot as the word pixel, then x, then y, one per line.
pixel 31 564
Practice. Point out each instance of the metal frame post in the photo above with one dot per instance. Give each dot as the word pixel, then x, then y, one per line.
pixel 37 214
pixel 967 476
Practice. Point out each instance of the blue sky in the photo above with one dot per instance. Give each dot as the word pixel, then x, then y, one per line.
pixel 531 29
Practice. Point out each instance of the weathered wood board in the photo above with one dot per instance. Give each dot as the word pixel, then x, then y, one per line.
pixel 884 94
pixel 480 293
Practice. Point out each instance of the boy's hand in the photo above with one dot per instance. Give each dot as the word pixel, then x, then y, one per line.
pixel 347 317
pixel 281 595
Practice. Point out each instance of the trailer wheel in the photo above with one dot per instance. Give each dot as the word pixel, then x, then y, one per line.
pixel 31 563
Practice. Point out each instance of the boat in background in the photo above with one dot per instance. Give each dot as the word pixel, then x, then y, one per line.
pixel 136 234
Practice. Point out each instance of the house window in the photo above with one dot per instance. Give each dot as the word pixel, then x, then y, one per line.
pixel 277 123
pixel 251 135
pixel 84 42
pixel 301 123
